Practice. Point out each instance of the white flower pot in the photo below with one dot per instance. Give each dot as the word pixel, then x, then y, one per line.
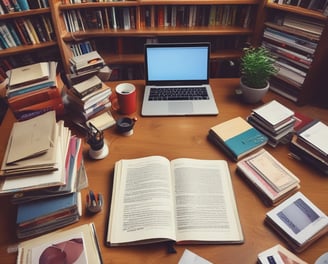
pixel 253 95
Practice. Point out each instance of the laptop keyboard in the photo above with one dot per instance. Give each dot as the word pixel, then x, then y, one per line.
pixel 180 93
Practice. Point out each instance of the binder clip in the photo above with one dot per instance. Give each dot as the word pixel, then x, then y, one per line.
pixel 98 148
pixel 94 203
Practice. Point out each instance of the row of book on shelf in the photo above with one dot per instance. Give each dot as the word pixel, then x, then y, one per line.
pixel 9 6
pixel 26 31
pixel 157 16
pixel 292 40
pixel 316 5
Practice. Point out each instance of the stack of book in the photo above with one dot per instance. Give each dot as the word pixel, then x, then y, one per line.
pixel 309 145
pixel 298 221
pixel 274 120
pixel 86 62
pixel 292 40
pixel 236 138
pixel 270 179
pixel 87 100
pixel 43 170
pixel 35 89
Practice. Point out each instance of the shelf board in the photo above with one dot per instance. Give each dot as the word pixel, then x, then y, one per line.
pixel 26 48
pixel 25 13
pixel 111 58
pixel 298 10
pixel 154 32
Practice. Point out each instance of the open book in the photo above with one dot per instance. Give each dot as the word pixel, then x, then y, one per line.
pixel 185 200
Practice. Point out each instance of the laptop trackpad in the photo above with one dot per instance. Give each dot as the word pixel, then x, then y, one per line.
pixel 181 107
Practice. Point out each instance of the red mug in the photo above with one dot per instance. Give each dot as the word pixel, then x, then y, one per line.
pixel 126 98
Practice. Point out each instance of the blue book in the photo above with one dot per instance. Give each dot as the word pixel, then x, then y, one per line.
pixel 23 4
pixel 237 138
pixel 36 210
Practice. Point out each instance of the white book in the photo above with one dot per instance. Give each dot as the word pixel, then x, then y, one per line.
pixel 299 221
pixel 29 74
pixel 274 112
pixel 153 200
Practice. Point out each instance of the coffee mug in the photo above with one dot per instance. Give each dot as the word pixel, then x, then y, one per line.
pixel 126 98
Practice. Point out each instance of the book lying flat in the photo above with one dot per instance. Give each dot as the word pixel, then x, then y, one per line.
pixel 183 200
pixel 270 178
pixel 29 74
pixel 236 137
pixel 298 221
pixel 78 245
pixel 279 255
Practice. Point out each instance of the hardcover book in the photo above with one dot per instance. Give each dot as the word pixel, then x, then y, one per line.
pixel 153 200
pixel 237 138
pixel 299 221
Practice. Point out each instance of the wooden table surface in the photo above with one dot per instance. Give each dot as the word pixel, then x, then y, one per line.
pixel 175 137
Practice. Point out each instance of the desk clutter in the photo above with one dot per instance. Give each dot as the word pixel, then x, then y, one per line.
pixel 44 174
pixel 35 89
pixel 45 178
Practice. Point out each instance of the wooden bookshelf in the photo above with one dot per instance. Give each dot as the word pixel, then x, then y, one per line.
pixel 28 47
pixel 121 46
pixel 312 89
pixel 238 32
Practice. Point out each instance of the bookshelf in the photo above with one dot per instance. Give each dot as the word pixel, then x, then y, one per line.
pixel 120 29
pixel 120 41
pixel 309 87
pixel 25 36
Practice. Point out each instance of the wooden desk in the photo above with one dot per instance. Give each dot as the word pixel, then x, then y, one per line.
pixel 175 137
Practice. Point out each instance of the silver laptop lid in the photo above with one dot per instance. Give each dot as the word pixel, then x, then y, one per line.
pixel 177 63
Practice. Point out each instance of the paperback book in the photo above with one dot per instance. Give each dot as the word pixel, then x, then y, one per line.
pixel 270 178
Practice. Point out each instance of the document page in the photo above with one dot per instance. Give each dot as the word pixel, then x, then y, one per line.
pixel 142 203
pixel 205 204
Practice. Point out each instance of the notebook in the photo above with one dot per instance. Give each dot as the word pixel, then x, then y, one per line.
pixel 176 68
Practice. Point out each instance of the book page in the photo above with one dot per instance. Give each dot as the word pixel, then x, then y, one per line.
pixel 142 203
pixel 205 204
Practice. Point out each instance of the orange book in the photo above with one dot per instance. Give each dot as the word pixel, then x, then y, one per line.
pixel 18 102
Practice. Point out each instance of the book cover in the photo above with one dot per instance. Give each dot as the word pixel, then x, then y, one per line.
pixel 29 74
pixel 237 136
pixel 280 255
pixel 265 173
pixel 36 210
pixel 273 113
pixel 299 221
pixel 74 245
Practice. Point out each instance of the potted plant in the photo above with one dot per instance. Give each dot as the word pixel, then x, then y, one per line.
pixel 256 68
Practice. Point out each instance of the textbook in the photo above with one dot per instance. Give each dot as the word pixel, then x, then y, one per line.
pixel 183 200
pixel 298 221
pixel 74 245
pixel 236 137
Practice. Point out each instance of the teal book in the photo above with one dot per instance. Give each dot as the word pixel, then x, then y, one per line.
pixel 236 137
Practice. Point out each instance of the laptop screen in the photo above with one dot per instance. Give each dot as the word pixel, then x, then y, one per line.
pixel 177 63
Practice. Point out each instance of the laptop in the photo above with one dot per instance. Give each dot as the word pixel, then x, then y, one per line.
pixel 173 69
